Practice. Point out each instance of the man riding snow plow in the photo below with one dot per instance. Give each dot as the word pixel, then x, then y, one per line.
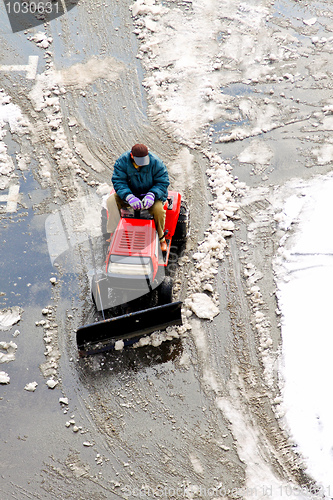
pixel 141 220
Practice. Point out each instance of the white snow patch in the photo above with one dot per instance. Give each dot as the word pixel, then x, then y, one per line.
pixel 51 383
pixel 196 464
pixel 79 75
pixel 119 345
pixel 9 350
pixel 310 22
pixel 83 74
pixel 324 154
pixel 182 170
pixel 41 39
pixel 4 378
pixel 327 123
pixel 208 376
pixel 304 269
pixel 261 482
pixel 31 387
pixel 184 58
pixel 145 7
pixel 10 115
pixel 203 306
pixel 189 64
pixel 256 152
pixel 158 337
pixel 185 360
pixel 9 317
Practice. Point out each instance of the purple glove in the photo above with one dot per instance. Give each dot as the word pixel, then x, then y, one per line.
pixel 148 200
pixel 134 202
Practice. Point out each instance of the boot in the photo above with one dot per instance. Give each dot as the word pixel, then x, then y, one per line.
pixel 164 246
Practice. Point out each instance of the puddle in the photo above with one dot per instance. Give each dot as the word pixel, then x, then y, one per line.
pixel 237 89
pixel 25 268
pixel 225 127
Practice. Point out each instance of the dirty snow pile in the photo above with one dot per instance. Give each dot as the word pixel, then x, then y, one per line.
pixel 31 387
pixel 45 97
pixel 4 378
pixel 52 354
pixel 8 318
pixel 11 117
pixel 193 55
pixel 304 276
pixel 156 338
pixel 204 300
pixel 188 61
pixel 8 351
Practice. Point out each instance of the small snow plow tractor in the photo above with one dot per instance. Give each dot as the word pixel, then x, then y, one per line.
pixel 134 293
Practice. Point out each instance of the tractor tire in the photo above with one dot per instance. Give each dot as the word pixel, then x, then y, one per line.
pixel 182 230
pixel 99 291
pixel 165 291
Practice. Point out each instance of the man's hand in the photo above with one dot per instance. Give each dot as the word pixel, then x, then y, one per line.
pixel 148 200
pixel 134 202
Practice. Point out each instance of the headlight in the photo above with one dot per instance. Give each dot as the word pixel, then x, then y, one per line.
pixel 130 269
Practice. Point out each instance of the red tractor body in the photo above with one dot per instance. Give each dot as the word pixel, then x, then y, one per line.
pixel 135 273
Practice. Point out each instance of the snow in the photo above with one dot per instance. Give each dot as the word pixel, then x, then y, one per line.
pixel 324 154
pixel 51 383
pixel 42 40
pixel 31 387
pixel 8 354
pixel 10 316
pixel 261 482
pixel 310 22
pixel 119 345
pixel 191 57
pixel 11 116
pixel 203 306
pixel 256 152
pixel 4 378
pixel 304 270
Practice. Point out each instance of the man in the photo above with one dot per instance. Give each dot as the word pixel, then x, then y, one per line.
pixel 140 180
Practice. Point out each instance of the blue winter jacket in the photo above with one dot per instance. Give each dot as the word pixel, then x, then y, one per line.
pixel 127 179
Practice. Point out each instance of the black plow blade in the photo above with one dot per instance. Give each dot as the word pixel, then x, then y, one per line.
pixel 102 336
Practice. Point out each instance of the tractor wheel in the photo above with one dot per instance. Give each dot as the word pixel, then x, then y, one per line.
pixel 182 230
pixel 165 291
pixel 99 292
